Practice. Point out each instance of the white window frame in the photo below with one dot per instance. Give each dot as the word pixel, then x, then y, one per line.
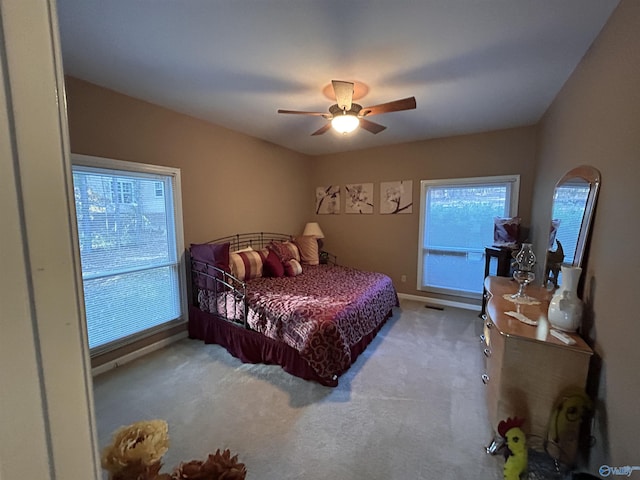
pixel 174 175
pixel 123 192
pixel 425 184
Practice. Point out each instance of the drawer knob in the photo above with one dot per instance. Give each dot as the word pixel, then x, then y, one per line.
pixel 485 378
pixel 487 352
pixel 482 338
pixel 489 324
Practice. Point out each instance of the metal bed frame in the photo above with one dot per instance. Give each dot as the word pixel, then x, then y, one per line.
pixel 224 282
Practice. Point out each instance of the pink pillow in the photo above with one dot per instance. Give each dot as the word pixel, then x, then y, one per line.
pixel 273 267
pixel 280 250
pixel 292 268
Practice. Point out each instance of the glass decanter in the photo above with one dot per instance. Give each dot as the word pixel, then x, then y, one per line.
pixel 524 275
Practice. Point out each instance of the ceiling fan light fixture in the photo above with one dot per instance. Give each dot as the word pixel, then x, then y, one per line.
pixel 345 123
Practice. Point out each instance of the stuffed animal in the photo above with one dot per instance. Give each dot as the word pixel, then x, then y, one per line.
pixel 572 407
pixel 515 465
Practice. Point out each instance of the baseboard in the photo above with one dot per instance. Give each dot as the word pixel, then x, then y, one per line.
pixel 439 302
pixel 129 357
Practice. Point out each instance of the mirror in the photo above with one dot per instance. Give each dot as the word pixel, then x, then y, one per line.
pixel 574 201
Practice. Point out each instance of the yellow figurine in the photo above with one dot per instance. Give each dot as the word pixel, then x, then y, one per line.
pixel 515 465
pixel 572 407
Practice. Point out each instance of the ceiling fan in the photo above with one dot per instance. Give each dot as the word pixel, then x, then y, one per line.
pixel 345 116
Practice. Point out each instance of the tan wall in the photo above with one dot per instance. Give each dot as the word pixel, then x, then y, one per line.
pixel 231 183
pixel 389 243
pixel 595 120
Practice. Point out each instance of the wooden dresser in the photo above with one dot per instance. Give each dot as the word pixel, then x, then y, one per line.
pixel 524 376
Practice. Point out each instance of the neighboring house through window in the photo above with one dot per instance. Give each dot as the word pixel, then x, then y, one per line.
pixel 456 224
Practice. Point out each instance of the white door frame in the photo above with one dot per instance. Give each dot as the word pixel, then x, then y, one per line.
pixel 46 405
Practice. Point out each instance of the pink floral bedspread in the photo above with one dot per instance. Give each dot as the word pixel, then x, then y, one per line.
pixel 321 313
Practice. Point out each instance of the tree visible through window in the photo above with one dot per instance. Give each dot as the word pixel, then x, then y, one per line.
pixel 457 218
pixel 129 245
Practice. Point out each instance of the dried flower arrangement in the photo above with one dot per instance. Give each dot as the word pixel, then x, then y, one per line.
pixel 136 453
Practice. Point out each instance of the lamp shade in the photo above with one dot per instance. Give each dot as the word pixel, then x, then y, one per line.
pixel 312 229
pixel 345 123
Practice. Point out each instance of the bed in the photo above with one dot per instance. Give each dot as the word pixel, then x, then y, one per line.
pixel 275 299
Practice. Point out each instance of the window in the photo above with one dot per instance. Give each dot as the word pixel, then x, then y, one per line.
pixel 124 191
pixel 456 224
pixel 130 244
pixel 159 189
pixel 568 209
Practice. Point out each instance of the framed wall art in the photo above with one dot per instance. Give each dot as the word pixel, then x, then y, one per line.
pixel 358 198
pixel 328 200
pixel 396 197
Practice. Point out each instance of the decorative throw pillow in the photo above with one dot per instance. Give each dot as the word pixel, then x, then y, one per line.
pixel 292 268
pixel 285 250
pixel 273 267
pixel 293 248
pixel 246 265
pixel 212 254
pixel 216 254
pixel 506 231
pixel 308 247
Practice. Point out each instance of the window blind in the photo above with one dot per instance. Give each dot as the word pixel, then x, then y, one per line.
pixel 129 254
pixel 457 221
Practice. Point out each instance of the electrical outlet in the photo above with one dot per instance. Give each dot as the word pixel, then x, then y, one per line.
pixel 403 278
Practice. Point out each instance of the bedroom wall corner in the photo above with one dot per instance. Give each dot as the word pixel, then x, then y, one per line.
pixel 595 120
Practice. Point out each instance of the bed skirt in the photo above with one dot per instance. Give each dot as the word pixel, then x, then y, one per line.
pixel 250 346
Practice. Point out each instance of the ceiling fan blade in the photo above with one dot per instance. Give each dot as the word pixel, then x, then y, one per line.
pixel 322 130
pixel 344 93
pixel 297 112
pixel 395 106
pixel 370 126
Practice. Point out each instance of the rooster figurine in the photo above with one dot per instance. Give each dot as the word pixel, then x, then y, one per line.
pixel 515 465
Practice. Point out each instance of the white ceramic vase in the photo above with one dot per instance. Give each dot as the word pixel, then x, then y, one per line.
pixel 565 309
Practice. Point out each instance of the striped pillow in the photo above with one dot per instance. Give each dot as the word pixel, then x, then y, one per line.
pixel 292 268
pixel 246 265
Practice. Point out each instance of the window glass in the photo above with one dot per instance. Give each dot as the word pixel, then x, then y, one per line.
pixel 457 219
pixel 568 208
pixel 129 253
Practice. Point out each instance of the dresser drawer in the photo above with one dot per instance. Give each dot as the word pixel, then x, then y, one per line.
pixel 493 353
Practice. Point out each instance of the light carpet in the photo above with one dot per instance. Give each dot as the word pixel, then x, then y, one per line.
pixel 411 407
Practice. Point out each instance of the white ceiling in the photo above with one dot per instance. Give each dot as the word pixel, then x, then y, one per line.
pixel 473 65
